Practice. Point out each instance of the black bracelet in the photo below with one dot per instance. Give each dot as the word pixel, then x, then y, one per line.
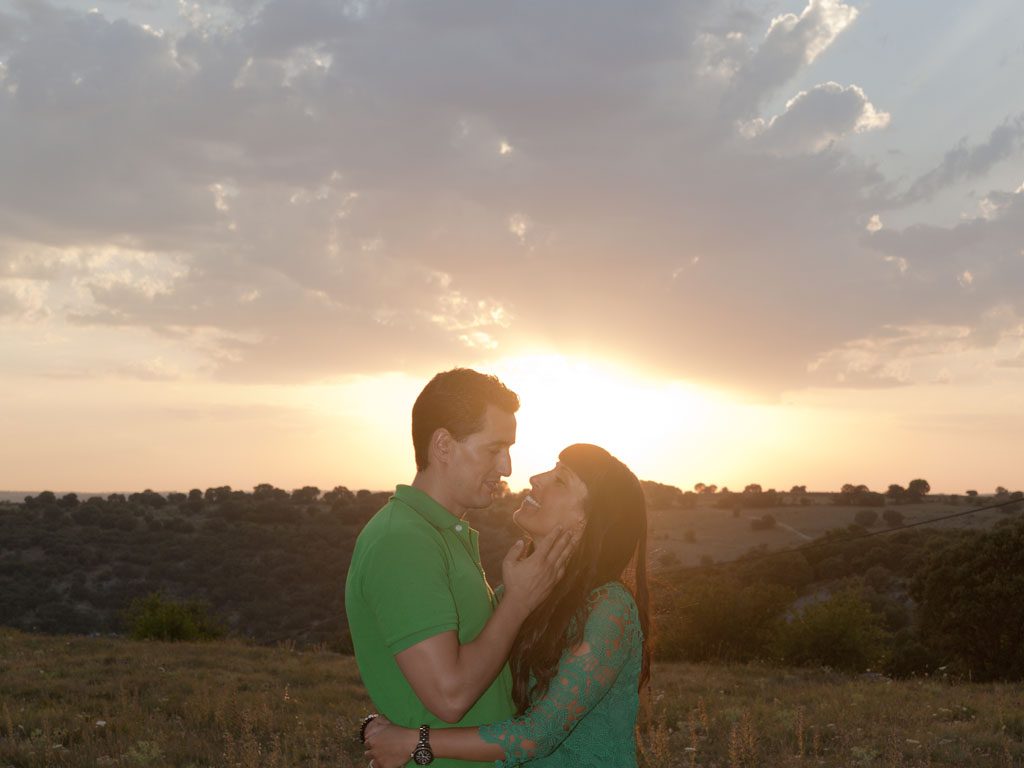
pixel 362 728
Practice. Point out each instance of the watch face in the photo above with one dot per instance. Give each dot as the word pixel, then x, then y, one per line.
pixel 423 756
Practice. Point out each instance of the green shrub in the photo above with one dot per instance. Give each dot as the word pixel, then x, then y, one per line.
pixel 156 617
pixel 969 603
pixel 841 632
pixel 717 618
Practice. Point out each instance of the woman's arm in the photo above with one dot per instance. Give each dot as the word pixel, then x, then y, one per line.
pixel 583 677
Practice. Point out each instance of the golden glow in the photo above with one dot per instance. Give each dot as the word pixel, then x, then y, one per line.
pixel 569 400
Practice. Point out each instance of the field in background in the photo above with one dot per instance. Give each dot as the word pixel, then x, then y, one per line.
pixel 84 702
pixel 717 534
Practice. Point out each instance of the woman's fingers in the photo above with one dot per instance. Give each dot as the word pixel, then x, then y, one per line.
pixel 546 545
pixel 563 548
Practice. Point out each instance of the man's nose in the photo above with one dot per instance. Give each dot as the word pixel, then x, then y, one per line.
pixel 505 463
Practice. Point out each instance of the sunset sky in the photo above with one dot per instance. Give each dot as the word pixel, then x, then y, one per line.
pixel 731 241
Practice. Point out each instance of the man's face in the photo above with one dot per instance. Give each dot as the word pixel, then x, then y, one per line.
pixel 480 460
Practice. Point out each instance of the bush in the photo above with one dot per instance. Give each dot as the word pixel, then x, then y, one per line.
pixel 865 518
pixel 763 523
pixel 156 617
pixel 841 632
pixel 893 518
pixel 969 603
pixel 717 618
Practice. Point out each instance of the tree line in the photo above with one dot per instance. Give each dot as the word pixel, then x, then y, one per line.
pixel 270 564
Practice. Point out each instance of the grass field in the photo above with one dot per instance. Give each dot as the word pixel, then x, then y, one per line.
pixel 83 702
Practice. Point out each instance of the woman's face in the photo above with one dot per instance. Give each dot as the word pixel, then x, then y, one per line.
pixel 555 499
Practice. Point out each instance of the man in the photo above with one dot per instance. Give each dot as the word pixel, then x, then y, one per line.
pixel 430 640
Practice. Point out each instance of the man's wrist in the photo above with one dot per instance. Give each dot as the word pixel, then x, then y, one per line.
pixel 515 607
pixel 422 754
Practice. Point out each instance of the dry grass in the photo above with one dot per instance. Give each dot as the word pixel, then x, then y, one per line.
pixel 84 702
pixel 111 702
pixel 746 716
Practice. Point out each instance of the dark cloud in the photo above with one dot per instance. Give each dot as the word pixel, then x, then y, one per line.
pixel 965 162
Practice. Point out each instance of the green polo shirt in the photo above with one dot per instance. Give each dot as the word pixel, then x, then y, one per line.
pixel 416 573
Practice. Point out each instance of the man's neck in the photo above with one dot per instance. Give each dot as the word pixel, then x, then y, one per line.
pixel 436 488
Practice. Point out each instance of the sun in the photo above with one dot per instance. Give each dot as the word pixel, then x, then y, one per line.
pixel 567 400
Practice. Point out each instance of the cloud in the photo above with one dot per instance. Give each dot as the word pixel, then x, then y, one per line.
pixel 965 162
pixel 791 43
pixel 22 299
pixel 814 120
pixel 281 197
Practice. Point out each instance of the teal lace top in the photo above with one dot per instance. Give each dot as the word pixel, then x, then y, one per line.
pixel 588 715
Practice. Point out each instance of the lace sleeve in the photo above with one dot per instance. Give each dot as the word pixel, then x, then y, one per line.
pixel 585 674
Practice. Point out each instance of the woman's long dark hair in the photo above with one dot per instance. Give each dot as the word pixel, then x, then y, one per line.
pixel 615 535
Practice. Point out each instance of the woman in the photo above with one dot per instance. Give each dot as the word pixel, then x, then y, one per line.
pixel 581 657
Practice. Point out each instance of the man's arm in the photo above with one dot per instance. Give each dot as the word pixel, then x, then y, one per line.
pixel 448 677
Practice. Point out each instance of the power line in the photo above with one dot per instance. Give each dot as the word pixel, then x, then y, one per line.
pixel 849 539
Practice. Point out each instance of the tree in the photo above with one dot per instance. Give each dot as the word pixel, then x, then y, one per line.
pixel 753 488
pixel 339 496
pixel 717 617
pixel 858 495
pixel 306 495
pixel 217 495
pixel 972 493
pixel 969 602
pixel 699 488
pixel 918 489
pixel 896 492
pixel 268 492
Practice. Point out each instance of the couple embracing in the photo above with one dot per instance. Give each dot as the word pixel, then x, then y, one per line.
pixel 547 668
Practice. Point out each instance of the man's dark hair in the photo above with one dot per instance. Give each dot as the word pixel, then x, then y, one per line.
pixel 456 400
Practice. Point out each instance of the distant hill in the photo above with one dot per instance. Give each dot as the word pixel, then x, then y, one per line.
pixel 271 565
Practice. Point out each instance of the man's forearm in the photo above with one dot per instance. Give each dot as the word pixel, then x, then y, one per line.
pixel 449 677
pixel 480 660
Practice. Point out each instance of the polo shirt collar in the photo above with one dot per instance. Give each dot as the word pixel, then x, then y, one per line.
pixel 435 514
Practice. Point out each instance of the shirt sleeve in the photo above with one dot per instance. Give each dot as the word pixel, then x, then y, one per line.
pixel 585 674
pixel 406 586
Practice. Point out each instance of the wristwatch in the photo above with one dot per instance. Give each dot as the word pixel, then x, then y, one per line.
pixel 423 754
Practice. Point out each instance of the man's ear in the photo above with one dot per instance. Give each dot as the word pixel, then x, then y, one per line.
pixel 441 445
